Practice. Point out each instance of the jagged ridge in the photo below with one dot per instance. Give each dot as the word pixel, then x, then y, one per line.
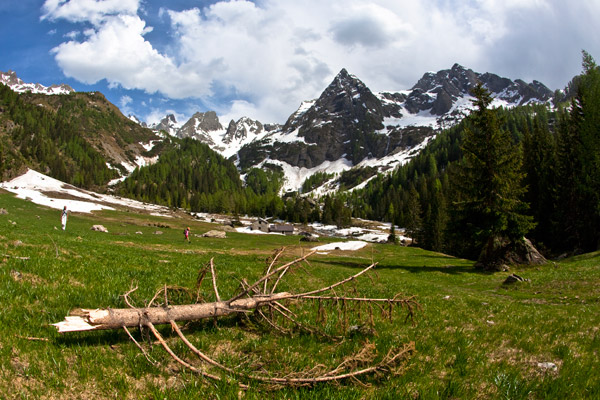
pixel 348 125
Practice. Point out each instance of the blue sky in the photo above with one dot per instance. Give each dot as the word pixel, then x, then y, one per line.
pixel 262 59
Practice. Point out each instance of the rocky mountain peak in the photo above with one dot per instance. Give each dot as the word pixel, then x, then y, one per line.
pixel 334 126
pixel 242 129
pixel 137 120
pixel 207 121
pixel 439 91
pixel 201 126
pixel 346 98
pixel 10 78
pixel 167 124
pixel 344 85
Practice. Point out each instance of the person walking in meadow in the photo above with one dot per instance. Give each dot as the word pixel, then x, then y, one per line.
pixel 186 233
pixel 63 218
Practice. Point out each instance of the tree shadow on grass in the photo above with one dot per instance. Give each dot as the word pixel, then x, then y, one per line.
pixel 447 269
pixel 93 338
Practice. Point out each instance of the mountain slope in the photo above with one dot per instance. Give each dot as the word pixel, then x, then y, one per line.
pixel 348 126
pixel 64 117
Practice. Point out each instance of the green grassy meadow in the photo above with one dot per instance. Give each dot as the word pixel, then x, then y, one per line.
pixel 475 338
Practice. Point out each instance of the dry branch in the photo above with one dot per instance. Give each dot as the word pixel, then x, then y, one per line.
pixel 256 298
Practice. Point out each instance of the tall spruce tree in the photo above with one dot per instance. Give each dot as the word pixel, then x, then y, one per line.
pixel 589 127
pixel 539 150
pixel 489 204
pixel 578 172
pixel 413 220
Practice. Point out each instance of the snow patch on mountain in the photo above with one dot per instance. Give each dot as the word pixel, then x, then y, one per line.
pixel 44 190
pixel 11 80
pixel 295 176
pixel 168 124
pixel 422 118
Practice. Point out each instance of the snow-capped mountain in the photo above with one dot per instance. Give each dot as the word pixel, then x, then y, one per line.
pixel 443 93
pixel 168 124
pixel 11 79
pixel 243 132
pixel 349 126
pixel 206 127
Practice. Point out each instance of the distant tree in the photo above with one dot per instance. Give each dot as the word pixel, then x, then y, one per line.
pixel 392 238
pixel 489 183
pixel 434 224
pixel 342 215
pixel 414 222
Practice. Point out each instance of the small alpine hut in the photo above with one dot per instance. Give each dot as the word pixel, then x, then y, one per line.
pixel 284 229
pixel 261 225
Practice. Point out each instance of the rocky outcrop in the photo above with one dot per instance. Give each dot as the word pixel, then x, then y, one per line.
pixel 215 234
pixel 99 228
pixel 167 124
pixel 242 129
pixel 507 253
pixel 201 126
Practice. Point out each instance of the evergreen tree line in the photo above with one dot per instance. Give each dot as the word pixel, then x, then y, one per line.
pixel 545 178
pixel 192 176
pixel 49 142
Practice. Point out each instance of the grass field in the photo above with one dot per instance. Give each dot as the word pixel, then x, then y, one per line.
pixel 474 337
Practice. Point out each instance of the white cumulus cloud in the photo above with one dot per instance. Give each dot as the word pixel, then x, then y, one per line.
pixel 87 10
pixel 266 57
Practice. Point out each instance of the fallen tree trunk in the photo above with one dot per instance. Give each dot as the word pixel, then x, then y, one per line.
pixel 87 320
pixel 257 298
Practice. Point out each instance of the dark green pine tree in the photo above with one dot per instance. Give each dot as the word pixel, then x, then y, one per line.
pixel 578 166
pixel 489 184
pixel 539 161
pixel 434 223
pixel 589 128
pixel 413 222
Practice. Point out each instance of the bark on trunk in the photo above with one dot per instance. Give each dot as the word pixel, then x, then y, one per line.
pixel 87 320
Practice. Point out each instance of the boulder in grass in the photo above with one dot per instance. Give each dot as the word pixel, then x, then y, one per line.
pixel 506 253
pixel 514 278
pixel 215 234
pixel 99 228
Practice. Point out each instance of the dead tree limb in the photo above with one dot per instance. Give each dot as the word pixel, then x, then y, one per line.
pixel 254 298
pixel 87 320
pixel 214 279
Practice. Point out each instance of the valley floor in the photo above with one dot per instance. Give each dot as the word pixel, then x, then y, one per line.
pixel 475 337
